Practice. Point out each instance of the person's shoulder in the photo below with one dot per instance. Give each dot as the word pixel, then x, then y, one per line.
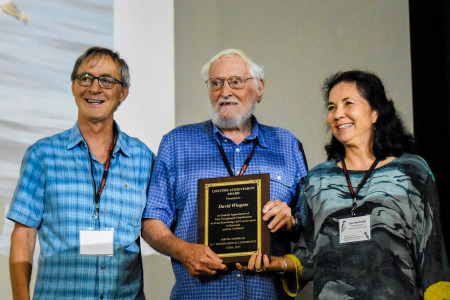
pixel 324 168
pixel 135 144
pixel 190 130
pixel 52 140
pixel 278 134
pixel 327 171
pixel 275 129
pixel 412 163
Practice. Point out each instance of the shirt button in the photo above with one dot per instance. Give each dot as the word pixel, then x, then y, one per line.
pixel 103 267
pixel 279 177
pixel 237 150
pixel 101 296
pixel 104 212
pixel 238 275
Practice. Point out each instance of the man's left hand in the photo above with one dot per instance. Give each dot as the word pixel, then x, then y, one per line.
pixel 279 214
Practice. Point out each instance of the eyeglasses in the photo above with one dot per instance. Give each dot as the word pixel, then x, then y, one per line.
pixel 106 82
pixel 235 82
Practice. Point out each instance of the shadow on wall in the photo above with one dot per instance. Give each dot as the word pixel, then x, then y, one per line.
pixel 5 285
pixel 158 276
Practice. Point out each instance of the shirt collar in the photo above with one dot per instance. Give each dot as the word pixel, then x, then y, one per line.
pixel 75 138
pixel 257 133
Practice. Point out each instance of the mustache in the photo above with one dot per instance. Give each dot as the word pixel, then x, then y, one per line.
pixel 228 100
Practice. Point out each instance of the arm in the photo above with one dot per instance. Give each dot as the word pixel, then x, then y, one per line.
pixel 433 264
pixel 23 240
pixel 198 259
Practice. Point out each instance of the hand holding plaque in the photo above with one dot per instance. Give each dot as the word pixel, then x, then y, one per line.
pixel 230 216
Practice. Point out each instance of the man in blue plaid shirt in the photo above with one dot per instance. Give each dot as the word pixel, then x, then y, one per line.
pixel 83 192
pixel 192 152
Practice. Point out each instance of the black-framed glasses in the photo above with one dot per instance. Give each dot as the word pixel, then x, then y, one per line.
pixel 106 82
pixel 235 82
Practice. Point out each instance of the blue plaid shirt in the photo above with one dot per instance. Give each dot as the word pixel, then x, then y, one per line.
pixel 55 194
pixel 189 153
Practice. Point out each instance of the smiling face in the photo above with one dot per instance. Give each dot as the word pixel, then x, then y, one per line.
pixel 233 107
pixel 97 104
pixel 350 117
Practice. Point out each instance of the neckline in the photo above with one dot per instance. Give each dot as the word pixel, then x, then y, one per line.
pixel 362 171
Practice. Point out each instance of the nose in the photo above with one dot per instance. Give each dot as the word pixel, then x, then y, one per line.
pixel 338 112
pixel 95 86
pixel 226 90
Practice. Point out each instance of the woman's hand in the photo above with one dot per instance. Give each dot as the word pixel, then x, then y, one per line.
pixel 260 263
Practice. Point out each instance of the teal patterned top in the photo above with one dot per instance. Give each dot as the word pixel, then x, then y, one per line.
pixel 406 253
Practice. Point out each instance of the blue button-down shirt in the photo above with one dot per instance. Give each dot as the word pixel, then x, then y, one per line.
pixel 189 153
pixel 55 194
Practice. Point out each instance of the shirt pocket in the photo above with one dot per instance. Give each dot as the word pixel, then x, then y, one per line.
pixel 282 184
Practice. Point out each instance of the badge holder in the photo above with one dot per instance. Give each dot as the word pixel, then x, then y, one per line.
pixel 97 242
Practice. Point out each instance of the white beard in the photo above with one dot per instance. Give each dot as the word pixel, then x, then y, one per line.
pixel 244 114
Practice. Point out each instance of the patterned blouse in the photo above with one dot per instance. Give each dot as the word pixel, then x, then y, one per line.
pixel 405 253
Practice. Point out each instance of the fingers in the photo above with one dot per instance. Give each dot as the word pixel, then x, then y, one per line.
pixel 266 260
pixel 255 262
pixel 261 263
pixel 213 256
pixel 279 214
pixel 241 267
pixel 201 260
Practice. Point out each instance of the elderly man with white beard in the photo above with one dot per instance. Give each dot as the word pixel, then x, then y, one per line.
pixel 230 144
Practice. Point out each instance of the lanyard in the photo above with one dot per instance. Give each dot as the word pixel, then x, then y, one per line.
pixel 104 176
pixel 350 187
pixel 244 166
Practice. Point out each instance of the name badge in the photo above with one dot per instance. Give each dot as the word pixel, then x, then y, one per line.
pixel 97 242
pixel 354 229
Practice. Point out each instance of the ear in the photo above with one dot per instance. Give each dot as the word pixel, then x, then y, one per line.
pixel 260 90
pixel 73 87
pixel 123 94
pixel 375 114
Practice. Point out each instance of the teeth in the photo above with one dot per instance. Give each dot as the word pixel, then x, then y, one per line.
pixel 94 101
pixel 344 126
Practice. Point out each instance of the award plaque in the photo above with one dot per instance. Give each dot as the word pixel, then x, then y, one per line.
pixel 230 216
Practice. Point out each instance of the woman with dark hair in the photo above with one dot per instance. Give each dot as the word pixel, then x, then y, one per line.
pixel 370 218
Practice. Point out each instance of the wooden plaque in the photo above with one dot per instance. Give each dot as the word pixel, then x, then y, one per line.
pixel 230 216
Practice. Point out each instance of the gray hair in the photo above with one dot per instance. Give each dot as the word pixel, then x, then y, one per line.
pixel 96 51
pixel 256 71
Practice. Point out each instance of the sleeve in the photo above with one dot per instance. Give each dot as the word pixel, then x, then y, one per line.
pixel 432 258
pixel 301 254
pixel 27 205
pixel 160 197
pixel 302 171
pixel 304 247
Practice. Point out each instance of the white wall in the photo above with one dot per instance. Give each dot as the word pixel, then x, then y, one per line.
pixel 144 35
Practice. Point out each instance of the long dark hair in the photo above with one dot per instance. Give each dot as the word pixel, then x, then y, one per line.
pixel 390 136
